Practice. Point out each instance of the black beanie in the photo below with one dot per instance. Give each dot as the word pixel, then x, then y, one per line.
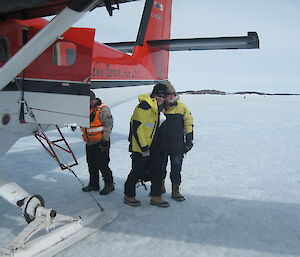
pixel 158 89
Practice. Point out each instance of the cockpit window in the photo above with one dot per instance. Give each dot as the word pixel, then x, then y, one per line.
pixel 64 54
pixel 4 49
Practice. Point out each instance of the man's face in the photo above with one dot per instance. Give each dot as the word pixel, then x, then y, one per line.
pixel 92 102
pixel 160 98
pixel 170 98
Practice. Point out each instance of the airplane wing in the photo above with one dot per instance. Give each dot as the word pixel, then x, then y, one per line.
pixel 214 43
pixel 20 9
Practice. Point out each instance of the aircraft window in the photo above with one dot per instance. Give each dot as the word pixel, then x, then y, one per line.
pixel 64 54
pixel 4 49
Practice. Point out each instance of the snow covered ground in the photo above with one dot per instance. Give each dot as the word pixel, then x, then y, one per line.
pixel 241 182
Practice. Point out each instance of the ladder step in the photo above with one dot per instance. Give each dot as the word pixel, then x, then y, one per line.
pixel 50 145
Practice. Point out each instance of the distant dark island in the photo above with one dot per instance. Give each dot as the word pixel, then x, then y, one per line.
pixel 217 92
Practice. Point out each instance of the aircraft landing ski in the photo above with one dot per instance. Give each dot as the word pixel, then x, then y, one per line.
pixel 61 238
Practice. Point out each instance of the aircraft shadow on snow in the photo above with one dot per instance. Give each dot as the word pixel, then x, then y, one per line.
pixel 263 226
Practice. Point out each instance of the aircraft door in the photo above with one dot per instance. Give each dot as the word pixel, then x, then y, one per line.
pixel 56 85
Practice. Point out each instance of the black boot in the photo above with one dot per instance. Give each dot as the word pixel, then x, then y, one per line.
pixel 108 188
pixel 90 188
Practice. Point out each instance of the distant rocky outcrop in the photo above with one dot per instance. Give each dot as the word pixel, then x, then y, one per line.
pixel 260 93
pixel 217 92
pixel 204 92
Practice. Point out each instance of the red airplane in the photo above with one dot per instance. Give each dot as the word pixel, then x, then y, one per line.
pixel 47 71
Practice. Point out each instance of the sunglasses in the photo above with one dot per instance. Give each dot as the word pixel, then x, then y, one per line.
pixel 161 96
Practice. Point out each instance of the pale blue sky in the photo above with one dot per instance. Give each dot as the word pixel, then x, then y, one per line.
pixel 273 68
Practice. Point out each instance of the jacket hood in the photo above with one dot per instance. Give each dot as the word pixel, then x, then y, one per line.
pixel 151 101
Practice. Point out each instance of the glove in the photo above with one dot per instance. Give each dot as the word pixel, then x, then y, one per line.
pixel 145 158
pixel 146 154
pixel 188 142
pixel 188 146
pixel 104 145
pixel 73 128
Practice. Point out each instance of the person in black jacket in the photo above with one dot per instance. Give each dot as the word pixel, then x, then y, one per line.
pixel 179 126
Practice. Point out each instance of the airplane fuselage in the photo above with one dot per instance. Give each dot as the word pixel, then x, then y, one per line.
pixel 54 88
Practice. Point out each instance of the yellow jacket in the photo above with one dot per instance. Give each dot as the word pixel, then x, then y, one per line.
pixel 143 124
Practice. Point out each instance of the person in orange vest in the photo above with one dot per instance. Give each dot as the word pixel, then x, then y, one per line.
pixel 97 138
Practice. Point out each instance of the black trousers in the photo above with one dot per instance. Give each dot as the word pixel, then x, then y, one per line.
pixel 176 165
pixel 98 160
pixel 140 167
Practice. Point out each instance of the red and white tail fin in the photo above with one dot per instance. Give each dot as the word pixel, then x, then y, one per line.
pixel 149 63
pixel 155 25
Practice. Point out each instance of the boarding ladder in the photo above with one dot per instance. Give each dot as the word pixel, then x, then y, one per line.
pixel 51 146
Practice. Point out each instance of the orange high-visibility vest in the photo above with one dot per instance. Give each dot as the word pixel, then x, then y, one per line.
pixel 94 133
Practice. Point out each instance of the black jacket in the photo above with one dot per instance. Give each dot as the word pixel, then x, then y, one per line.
pixel 179 126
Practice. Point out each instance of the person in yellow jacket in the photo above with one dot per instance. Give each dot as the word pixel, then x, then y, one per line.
pixel 145 127
pixel 179 127
pixel 97 138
